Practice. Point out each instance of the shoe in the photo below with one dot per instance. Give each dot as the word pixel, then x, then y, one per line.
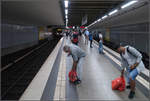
pixel 131 95
pixel 128 86
pixel 77 82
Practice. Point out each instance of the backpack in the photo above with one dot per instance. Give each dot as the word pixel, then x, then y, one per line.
pixel 75 40
pixel 128 52
pixel 75 37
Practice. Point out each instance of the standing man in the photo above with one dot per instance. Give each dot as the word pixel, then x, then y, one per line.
pixel 78 55
pixel 86 36
pixel 100 43
pixel 132 60
pixel 91 39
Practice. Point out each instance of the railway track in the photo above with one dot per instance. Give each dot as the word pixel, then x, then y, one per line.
pixel 16 78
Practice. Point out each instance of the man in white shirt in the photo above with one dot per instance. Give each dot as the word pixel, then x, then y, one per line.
pixel 101 43
pixel 132 61
pixel 100 35
pixel 86 36
pixel 77 54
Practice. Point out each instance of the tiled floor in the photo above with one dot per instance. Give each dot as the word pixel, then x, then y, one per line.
pixel 98 72
pixel 61 79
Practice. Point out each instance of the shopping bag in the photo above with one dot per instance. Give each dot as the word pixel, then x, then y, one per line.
pixel 123 84
pixel 118 84
pixel 72 76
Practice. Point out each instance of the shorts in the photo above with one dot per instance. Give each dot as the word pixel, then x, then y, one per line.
pixel 132 74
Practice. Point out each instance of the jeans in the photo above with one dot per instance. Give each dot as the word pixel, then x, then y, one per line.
pixel 91 43
pixel 100 47
pixel 86 39
pixel 132 74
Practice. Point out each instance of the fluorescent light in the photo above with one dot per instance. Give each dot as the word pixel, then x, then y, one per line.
pixel 95 22
pixel 66 20
pixel 99 20
pixel 104 17
pixel 128 4
pixel 66 16
pixel 66 11
pixel 66 4
pixel 114 11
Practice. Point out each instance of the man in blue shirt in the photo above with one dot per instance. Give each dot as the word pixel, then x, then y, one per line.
pixel 91 39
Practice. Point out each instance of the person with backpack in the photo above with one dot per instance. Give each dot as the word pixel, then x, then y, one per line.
pixel 132 60
pixel 78 55
pixel 75 37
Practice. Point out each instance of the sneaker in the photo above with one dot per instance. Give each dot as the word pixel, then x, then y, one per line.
pixel 128 86
pixel 131 95
pixel 77 82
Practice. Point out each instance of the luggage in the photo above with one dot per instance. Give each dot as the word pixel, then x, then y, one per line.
pixel 72 76
pixel 118 84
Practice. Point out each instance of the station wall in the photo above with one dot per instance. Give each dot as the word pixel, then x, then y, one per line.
pixel 17 37
pixel 130 27
pixel 135 35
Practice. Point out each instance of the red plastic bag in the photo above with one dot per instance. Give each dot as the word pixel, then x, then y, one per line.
pixel 72 76
pixel 123 85
pixel 118 84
